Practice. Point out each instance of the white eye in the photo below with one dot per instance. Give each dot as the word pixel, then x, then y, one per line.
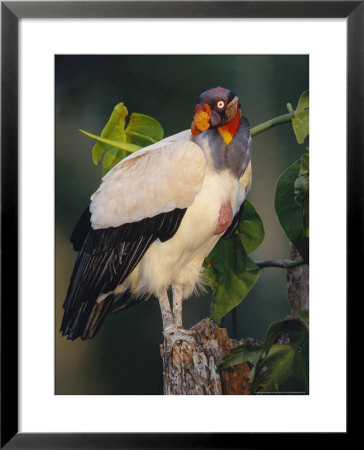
pixel 220 104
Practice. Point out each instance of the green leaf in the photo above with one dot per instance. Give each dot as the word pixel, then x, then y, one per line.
pixel 297 333
pixel 97 151
pixel 109 160
pixel 289 212
pixel 300 120
pixel 282 367
pixel 250 229
pixel 230 277
pixel 143 128
pixel 116 141
pixel 117 144
pixel 278 369
pixel 240 354
pixel 113 130
pixel 301 190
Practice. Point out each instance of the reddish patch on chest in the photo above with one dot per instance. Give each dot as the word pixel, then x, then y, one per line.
pixel 225 218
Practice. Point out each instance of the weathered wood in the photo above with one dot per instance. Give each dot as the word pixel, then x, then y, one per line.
pixel 235 379
pixel 191 369
pixel 297 287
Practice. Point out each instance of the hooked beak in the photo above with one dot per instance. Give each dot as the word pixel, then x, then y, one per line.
pixel 201 119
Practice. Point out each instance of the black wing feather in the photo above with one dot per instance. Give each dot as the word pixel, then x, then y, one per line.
pixel 106 258
pixel 81 230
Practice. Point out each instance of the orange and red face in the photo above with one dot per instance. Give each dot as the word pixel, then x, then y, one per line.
pixel 218 108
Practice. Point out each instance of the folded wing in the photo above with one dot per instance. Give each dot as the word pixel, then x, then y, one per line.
pixel 155 180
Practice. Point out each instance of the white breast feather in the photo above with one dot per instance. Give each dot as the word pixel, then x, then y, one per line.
pixel 154 180
pixel 179 259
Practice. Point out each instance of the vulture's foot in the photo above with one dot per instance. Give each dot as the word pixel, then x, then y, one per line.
pixel 174 334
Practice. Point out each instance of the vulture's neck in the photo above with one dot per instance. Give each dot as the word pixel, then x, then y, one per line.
pixel 229 130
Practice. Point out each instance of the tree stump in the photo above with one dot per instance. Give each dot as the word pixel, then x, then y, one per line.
pixel 192 369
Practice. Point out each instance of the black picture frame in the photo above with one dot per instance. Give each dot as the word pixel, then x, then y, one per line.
pixel 11 12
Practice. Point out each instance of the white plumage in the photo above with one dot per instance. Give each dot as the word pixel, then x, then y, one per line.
pixel 153 180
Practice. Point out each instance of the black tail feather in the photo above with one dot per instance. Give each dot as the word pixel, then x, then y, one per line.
pixel 86 327
pixel 126 300
pixel 107 256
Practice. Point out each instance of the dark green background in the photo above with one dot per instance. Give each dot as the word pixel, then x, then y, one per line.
pixel 124 357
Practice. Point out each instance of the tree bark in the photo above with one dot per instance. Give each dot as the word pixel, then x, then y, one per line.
pixel 192 369
pixel 297 287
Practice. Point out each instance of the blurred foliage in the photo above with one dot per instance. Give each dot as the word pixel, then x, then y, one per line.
pixel 282 368
pixel 278 367
pixel 300 120
pixel 292 192
pixel 240 354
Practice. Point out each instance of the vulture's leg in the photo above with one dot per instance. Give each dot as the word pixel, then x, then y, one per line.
pixel 167 316
pixel 172 327
pixel 177 291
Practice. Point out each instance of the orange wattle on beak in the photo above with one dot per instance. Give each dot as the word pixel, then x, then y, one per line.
pixel 201 119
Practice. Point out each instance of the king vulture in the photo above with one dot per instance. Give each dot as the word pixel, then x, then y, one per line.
pixel 155 217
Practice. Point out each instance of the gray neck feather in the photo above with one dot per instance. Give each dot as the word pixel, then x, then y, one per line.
pixel 235 156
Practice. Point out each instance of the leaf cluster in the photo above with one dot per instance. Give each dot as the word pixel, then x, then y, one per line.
pixel 292 192
pixel 117 139
pixel 280 364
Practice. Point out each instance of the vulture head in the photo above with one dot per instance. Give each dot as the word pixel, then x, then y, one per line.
pixel 216 107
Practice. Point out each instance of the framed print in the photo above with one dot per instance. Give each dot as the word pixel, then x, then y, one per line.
pixel 156 58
